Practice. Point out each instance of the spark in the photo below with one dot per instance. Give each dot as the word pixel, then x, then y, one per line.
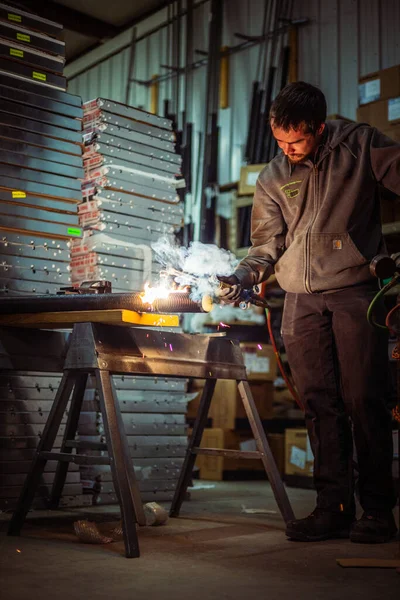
pixel 151 294
pixel 259 346
pixel 18 550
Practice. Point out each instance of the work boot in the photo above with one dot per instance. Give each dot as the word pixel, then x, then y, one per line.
pixel 320 525
pixel 374 527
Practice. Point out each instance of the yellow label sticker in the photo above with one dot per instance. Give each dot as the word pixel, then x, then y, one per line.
pixel 23 37
pixel 18 194
pixel 15 18
pixel 40 76
pixel 15 52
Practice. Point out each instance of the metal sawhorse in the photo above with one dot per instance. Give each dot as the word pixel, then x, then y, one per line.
pixel 103 350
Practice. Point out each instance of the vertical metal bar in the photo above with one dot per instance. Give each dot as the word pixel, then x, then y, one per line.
pixel 70 431
pixel 194 442
pixel 46 444
pixel 211 104
pixel 124 479
pixel 132 51
pixel 266 454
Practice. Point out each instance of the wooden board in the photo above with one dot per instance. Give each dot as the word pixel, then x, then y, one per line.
pixel 374 563
pixel 66 320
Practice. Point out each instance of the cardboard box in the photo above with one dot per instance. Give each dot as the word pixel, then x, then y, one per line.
pixel 213 467
pixel 382 114
pixel 260 360
pixel 248 178
pixel 298 455
pixel 393 132
pixel 380 85
pixel 227 406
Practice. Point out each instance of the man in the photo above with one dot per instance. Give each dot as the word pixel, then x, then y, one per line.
pixel 316 224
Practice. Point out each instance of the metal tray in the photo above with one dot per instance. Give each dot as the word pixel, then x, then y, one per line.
pixel 135 136
pixel 21 110
pixel 38 227
pixel 18 244
pixel 41 102
pixel 44 154
pixel 115 183
pixel 112 155
pixel 128 111
pixel 104 116
pixel 33 39
pixel 47 166
pixel 29 20
pixel 136 209
pixel 20 83
pixel 37 76
pixel 33 212
pixel 28 124
pixel 63 147
pixel 17 287
pixel 38 202
pixel 29 56
pixel 72 186
pixel 140 147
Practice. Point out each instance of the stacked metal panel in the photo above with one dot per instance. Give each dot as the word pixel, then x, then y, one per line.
pixel 41 164
pixel 129 194
pixel 41 167
pixel 25 403
pixel 153 412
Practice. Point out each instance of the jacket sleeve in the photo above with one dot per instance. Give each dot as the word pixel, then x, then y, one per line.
pixel 268 231
pixel 385 161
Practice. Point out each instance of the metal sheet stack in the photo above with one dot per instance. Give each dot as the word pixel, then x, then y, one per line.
pixel 129 194
pixel 40 169
pixel 40 156
pixel 25 402
pixel 153 412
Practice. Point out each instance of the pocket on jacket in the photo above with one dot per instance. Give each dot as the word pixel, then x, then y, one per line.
pixel 331 257
pixel 289 269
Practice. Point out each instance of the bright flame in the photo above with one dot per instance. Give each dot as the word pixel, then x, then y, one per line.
pixel 150 294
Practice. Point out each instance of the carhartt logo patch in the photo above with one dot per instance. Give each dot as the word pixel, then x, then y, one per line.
pixel 337 244
pixel 289 191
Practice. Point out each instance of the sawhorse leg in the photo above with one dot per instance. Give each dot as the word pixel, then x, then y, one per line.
pixel 265 451
pixel 195 440
pixel 46 444
pixel 123 474
pixel 70 432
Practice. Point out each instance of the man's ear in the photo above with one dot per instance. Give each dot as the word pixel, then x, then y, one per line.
pixel 321 128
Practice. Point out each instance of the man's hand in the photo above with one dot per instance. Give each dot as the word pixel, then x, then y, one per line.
pixel 230 293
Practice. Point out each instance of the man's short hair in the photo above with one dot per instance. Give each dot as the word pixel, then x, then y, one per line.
pixel 299 103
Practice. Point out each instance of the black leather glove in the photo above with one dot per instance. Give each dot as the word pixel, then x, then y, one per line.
pixel 231 293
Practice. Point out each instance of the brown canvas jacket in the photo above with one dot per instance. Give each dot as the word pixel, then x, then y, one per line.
pixel 317 225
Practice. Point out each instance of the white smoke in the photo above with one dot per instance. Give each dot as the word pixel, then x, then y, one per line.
pixel 196 266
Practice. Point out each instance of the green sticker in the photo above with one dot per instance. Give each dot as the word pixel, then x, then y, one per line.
pixel 15 52
pixel 74 231
pixel 15 18
pixel 22 37
pixel 40 76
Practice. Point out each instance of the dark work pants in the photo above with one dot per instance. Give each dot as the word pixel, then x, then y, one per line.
pixel 339 364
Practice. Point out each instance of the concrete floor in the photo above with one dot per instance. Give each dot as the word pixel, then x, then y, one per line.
pixel 213 551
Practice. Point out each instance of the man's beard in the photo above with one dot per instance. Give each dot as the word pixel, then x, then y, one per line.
pixel 297 159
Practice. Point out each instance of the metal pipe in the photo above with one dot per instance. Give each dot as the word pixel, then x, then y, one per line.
pixel 177 302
